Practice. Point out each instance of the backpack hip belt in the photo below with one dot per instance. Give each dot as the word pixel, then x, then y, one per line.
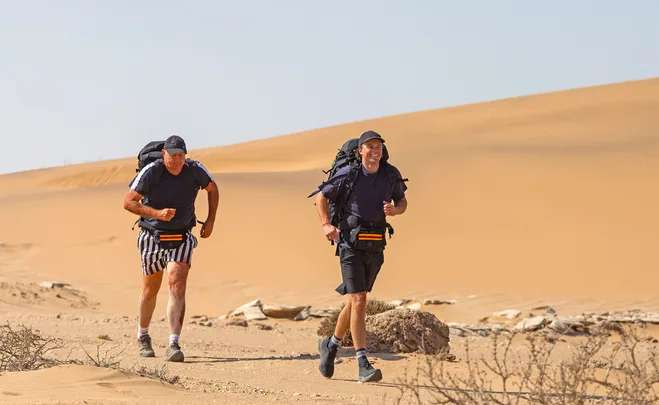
pixel 368 236
pixel 168 239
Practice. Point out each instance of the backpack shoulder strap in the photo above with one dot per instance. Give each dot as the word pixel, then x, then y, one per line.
pixel 159 165
pixel 192 164
pixel 394 175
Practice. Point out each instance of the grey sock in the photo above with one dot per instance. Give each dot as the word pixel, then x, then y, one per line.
pixel 334 343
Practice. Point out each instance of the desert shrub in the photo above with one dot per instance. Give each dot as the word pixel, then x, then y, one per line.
pixel 327 325
pixel 407 331
pixel 160 374
pixel 105 359
pixel 23 349
pixel 625 372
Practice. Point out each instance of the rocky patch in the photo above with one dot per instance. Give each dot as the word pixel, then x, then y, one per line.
pixel 257 311
pixel 589 323
pixel 416 304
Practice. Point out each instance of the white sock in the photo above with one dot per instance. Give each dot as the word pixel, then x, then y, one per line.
pixel 142 331
pixel 173 338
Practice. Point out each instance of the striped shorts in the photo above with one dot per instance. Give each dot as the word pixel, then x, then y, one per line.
pixel 155 258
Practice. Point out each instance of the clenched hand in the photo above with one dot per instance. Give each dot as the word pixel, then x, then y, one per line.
pixel 331 232
pixel 389 209
pixel 166 214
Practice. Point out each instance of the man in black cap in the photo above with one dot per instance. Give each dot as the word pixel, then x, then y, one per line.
pixel 163 194
pixel 361 240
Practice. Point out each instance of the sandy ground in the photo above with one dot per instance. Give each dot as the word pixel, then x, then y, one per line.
pixel 542 200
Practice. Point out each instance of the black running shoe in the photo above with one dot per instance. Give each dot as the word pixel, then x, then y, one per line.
pixel 367 373
pixel 326 358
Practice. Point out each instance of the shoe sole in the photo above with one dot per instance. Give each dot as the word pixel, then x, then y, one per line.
pixel 376 376
pixel 147 354
pixel 320 354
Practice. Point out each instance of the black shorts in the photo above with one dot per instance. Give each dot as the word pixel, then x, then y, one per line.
pixel 359 270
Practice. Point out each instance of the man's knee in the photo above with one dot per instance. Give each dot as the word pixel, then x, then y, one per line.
pixel 149 292
pixel 151 285
pixel 178 276
pixel 358 301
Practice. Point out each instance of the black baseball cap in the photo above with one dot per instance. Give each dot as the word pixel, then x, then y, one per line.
pixel 175 144
pixel 368 135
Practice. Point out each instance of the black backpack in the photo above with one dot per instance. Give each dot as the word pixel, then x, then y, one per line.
pixel 150 152
pixel 347 156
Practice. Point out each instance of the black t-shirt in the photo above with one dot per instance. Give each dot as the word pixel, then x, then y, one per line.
pixel 161 189
pixel 368 194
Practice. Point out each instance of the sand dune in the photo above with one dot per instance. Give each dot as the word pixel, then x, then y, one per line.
pixel 86 384
pixel 548 197
pixel 545 199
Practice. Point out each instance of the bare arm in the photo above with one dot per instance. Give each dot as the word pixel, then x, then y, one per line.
pixel 133 204
pixel 322 206
pixel 213 200
pixel 401 206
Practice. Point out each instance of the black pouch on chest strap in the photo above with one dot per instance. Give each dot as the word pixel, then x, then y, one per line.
pixel 169 239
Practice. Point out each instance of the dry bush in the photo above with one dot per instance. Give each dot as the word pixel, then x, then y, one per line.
pixel 110 359
pixel 407 331
pixel 327 325
pixel 106 359
pixel 158 374
pixel 594 372
pixel 23 349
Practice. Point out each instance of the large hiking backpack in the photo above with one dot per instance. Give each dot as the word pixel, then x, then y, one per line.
pixel 347 156
pixel 150 152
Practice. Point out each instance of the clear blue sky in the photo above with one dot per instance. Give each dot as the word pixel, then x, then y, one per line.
pixel 83 80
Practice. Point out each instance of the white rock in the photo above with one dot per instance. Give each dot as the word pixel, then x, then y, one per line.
pixel 324 312
pixel 531 324
pixel 53 284
pixel 399 303
pixel 254 314
pixel 241 309
pixel 251 311
pixel 508 314
pixel 302 315
pixel 457 332
pixel 415 306
pixel 650 317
